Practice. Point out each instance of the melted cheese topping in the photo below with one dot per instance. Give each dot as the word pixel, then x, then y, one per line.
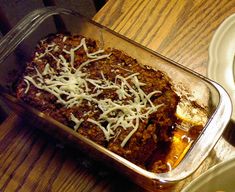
pixel 71 87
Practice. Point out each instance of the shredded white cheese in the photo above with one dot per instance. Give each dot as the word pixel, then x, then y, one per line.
pixel 72 86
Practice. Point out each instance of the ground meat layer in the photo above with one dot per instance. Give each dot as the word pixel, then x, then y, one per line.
pixel 105 95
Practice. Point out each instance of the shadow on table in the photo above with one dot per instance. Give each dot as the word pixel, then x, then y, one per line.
pixel 229 133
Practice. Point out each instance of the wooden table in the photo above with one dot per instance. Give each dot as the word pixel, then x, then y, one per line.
pixel 181 30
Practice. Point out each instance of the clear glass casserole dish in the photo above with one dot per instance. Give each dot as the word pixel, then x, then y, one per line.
pixel 202 100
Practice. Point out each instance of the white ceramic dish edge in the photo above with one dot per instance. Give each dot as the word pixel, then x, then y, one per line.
pixel 218 178
pixel 221 57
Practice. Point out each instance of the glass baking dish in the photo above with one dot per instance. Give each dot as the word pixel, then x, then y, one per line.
pixel 195 90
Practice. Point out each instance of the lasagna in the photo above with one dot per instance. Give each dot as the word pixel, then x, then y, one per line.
pixel 103 94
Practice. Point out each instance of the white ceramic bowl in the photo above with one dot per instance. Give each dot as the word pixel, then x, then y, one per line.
pixel 221 57
pixel 220 178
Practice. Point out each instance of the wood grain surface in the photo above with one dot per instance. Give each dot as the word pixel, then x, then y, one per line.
pixel 181 30
pixel 178 29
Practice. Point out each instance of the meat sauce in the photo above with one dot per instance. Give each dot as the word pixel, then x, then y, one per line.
pixel 108 97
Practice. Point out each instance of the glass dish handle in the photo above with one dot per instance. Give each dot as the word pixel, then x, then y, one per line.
pixel 26 26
